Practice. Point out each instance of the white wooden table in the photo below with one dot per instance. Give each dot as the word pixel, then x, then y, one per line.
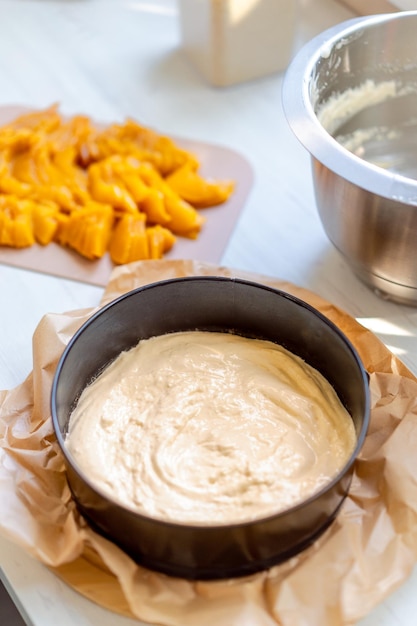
pixel 122 58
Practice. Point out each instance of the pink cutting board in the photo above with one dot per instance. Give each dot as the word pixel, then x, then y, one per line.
pixel 217 162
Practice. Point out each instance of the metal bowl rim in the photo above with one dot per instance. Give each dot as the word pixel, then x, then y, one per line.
pixel 304 123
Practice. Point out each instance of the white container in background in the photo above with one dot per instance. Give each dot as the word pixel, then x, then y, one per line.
pixel 232 41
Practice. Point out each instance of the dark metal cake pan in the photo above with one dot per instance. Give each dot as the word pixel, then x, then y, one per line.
pixel 202 551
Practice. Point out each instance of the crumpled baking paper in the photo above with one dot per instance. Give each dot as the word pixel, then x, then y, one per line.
pixel 368 551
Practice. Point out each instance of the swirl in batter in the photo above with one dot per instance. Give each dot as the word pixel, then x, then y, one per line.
pixel 209 427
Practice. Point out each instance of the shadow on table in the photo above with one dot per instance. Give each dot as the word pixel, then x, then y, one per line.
pixel 9 615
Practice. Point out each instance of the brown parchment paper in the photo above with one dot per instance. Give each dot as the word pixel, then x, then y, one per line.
pixel 368 551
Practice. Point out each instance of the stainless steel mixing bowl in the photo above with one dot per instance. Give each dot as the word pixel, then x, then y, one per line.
pixel 350 97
